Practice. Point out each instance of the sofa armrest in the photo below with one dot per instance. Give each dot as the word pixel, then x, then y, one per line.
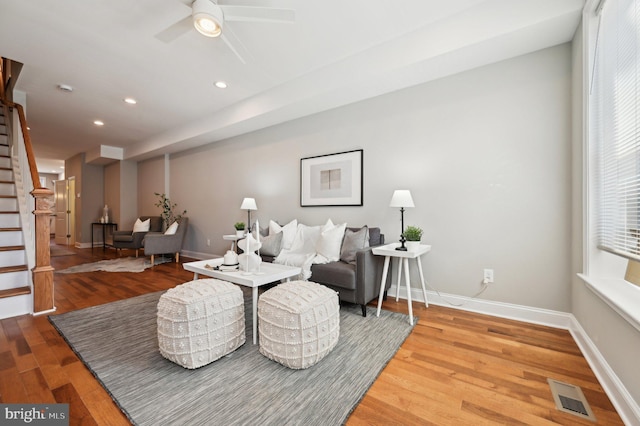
pixel 368 275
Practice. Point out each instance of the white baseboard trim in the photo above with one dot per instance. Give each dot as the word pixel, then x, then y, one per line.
pixel 198 255
pixel 627 407
pixel 546 317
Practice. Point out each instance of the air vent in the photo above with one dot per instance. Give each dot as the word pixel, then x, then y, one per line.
pixel 570 399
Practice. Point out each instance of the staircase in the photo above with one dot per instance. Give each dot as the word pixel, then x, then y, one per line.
pixel 15 279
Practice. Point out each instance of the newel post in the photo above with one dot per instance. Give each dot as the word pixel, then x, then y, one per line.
pixel 43 298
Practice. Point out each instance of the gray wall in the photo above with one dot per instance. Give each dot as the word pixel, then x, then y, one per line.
pixel 486 154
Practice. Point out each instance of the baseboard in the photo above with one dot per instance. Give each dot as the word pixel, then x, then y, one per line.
pixel 626 406
pixel 528 314
pixel 198 255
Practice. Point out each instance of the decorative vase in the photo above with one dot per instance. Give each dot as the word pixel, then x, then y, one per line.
pixel 239 233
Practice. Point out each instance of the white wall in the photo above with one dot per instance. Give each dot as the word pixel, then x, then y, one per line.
pixel 486 154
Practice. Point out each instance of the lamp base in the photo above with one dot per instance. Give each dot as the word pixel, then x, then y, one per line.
pixel 402 247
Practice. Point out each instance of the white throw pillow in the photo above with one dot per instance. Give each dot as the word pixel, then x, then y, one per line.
pixel 141 226
pixel 288 232
pixel 171 229
pixel 306 238
pixel 330 241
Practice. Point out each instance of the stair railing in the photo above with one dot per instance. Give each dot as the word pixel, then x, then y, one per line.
pixel 42 273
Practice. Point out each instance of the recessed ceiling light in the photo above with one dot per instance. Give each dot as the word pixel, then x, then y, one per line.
pixel 130 101
pixel 221 84
pixel 99 123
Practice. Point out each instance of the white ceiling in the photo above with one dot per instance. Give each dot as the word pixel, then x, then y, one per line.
pixel 337 52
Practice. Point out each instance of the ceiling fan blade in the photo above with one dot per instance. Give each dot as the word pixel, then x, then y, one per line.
pixel 236 46
pixel 258 14
pixel 171 33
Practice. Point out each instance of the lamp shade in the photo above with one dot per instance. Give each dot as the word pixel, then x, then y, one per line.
pixel 249 204
pixel 401 198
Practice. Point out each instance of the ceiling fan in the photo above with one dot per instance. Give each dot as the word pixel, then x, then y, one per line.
pixel 209 17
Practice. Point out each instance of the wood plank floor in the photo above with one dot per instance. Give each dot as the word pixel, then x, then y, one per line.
pixel 456 368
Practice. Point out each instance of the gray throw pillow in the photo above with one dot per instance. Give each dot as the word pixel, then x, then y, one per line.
pixel 353 241
pixel 271 245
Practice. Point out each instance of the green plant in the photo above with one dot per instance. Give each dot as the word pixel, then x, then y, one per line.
pixel 412 233
pixel 239 226
pixel 168 215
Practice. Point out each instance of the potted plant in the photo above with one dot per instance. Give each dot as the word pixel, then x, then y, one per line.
pixel 239 229
pixel 412 234
pixel 168 214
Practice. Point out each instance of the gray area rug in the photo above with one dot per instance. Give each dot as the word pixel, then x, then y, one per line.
pixel 125 264
pixel 117 341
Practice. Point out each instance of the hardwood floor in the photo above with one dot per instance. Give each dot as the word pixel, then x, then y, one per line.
pixel 456 368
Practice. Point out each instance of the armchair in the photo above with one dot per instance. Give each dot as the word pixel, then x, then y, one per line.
pixel 159 243
pixel 133 240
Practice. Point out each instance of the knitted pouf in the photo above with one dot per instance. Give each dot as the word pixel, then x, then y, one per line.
pixel 200 321
pixel 299 323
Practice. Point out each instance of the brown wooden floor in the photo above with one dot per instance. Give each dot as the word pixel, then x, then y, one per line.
pixel 456 368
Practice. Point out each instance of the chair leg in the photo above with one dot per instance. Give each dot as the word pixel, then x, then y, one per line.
pixel 364 310
pixel 136 253
pixel 177 257
pixel 152 260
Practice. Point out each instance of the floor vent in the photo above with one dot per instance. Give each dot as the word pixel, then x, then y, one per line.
pixel 570 399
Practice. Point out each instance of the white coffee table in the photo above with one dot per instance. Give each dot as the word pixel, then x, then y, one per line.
pixel 389 251
pixel 269 273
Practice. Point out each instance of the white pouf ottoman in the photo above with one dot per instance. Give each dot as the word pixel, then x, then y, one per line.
pixel 299 323
pixel 200 321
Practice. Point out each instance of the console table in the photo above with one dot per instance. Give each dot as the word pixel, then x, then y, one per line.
pixel 389 251
pixel 104 232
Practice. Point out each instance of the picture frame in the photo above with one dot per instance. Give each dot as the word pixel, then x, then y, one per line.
pixel 332 179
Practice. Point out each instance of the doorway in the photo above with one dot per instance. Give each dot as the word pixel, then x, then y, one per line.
pixel 65 211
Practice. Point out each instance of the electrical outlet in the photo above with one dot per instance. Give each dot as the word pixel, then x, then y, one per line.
pixel 208 242
pixel 488 276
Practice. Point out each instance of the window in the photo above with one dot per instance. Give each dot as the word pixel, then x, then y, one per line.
pixel 615 127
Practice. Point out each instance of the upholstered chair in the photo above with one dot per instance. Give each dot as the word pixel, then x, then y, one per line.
pixel 163 243
pixel 133 240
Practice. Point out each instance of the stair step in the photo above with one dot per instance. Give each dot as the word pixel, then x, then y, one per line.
pixel 9 212
pixel 15 268
pixel 8 196
pixel 11 248
pixel 18 291
pixel 10 229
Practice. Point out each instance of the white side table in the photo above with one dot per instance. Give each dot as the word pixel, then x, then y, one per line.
pixel 389 251
pixel 234 240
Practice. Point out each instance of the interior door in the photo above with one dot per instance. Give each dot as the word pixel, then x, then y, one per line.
pixel 62 229
pixel 71 210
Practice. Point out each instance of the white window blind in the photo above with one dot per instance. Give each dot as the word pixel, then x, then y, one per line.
pixel 615 127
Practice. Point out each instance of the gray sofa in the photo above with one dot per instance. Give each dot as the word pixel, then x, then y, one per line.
pixel 357 283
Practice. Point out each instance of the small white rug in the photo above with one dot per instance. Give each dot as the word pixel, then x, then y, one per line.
pixel 126 264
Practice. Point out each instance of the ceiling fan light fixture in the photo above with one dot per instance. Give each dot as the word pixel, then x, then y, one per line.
pixel 207 18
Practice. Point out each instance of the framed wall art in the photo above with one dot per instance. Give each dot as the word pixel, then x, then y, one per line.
pixel 332 180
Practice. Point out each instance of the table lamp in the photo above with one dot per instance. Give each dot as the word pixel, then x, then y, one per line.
pixel 401 198
pixel 249 204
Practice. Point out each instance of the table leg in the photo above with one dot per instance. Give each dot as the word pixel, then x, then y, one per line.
pixel 424 289
pixel 195 275
pixel 399 282
pixel 104 237
pixel 255 314
pixel 385 270
pixel 91 237
pixel 408 281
